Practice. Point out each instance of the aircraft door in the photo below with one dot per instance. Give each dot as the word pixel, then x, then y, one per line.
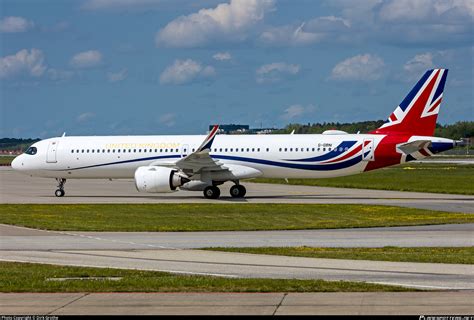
pixel 51 154
pixel 368 149
pixel 184 150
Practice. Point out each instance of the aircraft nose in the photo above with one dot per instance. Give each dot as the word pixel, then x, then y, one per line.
pixel 16 165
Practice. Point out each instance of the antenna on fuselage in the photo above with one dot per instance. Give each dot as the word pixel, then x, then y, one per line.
pixel 64 134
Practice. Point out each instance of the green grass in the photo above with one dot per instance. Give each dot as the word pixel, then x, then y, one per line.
pixel 218 217
pixel 438 178
pixel 463 255
pixel 26 277
pixel 6 159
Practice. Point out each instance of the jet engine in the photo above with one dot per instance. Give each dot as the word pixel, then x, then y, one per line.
pixel 155 179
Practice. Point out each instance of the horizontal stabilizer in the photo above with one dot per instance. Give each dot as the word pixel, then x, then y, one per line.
pixel 414 146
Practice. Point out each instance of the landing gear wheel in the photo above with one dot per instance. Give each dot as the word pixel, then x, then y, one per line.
pixel 212 192
pixel 238 191
pixel 60 191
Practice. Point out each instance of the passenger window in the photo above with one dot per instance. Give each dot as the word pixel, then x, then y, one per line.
pixel 87 150
pixel 296 149
pixel 193 149
pixel 279 150
pixel 72 151
pixel 92 150
pixel 291 149
pixel 248 149
pixel 103 150
pixel 161 150
pixel 286 149
pixel 242 150
pixel 258 149
pixel 231 149
pixel 268 149
pixel 313 149
pixel 139 150
pixel 324 149
pixel 118 150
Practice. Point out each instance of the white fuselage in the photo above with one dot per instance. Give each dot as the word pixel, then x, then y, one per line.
pixel 276 156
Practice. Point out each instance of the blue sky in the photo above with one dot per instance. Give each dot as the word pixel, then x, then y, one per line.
pixel 103 67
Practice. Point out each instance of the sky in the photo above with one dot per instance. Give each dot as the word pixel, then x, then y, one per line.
pixel 125 67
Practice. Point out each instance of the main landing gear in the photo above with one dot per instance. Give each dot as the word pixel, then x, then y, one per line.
pixel 236 191
pixel 60 191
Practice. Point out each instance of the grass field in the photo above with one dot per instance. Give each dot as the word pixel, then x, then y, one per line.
pixel 25 277
pixel 218 217
pixel 6 160
pixel 463 255
pixel 437 177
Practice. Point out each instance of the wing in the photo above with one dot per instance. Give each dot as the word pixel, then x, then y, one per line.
pixel 200 160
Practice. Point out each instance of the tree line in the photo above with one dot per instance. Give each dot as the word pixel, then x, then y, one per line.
pixel 455 131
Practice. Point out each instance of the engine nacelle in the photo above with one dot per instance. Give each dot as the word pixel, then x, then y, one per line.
pixel 155 179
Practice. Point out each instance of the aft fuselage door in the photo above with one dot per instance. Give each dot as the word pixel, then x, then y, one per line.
pixel 51 154
pixel 368 149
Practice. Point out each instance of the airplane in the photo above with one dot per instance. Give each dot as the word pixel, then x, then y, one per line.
pixel 162 164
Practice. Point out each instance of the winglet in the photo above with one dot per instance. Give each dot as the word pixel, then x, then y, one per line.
pixel 207 143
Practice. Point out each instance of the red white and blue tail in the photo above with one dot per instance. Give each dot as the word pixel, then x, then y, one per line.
pixel 417 113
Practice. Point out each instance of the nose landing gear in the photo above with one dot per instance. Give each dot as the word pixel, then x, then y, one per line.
pixel 60 191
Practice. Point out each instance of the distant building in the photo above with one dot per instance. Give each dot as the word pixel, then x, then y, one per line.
pixel 241 129
pixel 232 128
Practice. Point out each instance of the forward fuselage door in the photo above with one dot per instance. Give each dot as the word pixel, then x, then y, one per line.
pixel 184 150
pixel 51 154
pixel 368 150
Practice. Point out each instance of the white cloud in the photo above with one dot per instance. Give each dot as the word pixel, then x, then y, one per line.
pixel 228 22
pixel 117 76
pixel 94 5
pixel 313 31
pixel 184 71
pixel 418 64
pixel 87 59
pixel 425 10
pixel 364 67
pixel 15 24
pixel 24 62
pixel 221 56
pixel 59 74
pixel 84 117
pixel 296 111
pixel 168 119
pixel 274 72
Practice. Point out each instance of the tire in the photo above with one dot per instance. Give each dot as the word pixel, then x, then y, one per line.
pixel 59 193
pixel 237 191
pixel 212 192
pixel 243 191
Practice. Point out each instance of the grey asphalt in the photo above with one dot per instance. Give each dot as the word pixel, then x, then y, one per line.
pixel 151 251
pixel 18 188
pixel 453 235
pixel 390 303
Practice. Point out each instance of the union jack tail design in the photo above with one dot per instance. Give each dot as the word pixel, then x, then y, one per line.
pixel 417 113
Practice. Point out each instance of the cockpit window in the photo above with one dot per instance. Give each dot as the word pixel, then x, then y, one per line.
pixel 31 150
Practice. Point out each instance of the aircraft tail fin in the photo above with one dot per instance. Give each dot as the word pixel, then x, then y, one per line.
pixel 417 113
